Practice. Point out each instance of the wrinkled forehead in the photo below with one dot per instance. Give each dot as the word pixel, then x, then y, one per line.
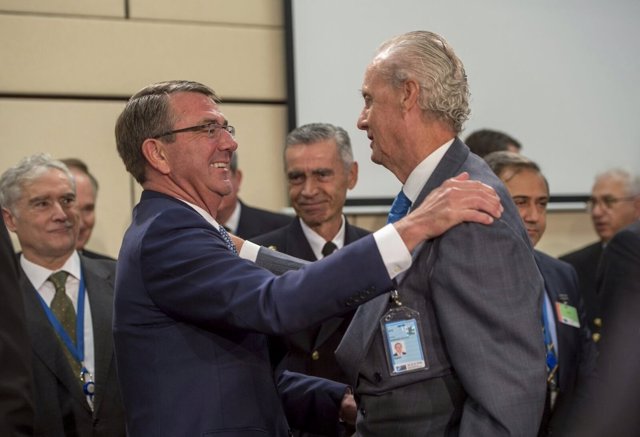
pixel 613 186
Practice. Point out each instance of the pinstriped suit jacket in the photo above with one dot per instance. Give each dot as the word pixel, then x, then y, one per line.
pixel 478 292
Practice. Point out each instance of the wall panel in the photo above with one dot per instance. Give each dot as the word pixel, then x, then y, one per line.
pixel 44 55
pixel 246 12
pixel 106 8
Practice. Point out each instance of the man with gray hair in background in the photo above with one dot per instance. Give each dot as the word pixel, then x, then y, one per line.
pixel 614 204
pixel 320 170
pixel 68 302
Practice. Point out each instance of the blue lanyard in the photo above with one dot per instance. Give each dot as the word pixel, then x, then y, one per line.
pixel 77 350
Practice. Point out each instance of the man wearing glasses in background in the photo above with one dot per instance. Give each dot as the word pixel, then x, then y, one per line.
pixel 614 204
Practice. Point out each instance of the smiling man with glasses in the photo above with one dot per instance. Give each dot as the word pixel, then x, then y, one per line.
pixel 614 204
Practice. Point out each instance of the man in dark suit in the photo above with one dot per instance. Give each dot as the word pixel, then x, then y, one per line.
pixel 86 197
pixel 68 303
pixel 614 204
pixel 241 219
pixel 573 349
pixel 320 170
pixel 614 394
pixel 16 397
pixel 468 309
pixel 191 315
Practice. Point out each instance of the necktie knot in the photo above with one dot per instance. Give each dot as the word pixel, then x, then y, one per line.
pixel 328 248
pixel 227 240
pixel 399 207
pixel 59 280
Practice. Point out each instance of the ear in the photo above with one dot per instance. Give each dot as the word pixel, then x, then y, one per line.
pixel 9 220
pixel 353 175
pixel 410 94
pixel 156 155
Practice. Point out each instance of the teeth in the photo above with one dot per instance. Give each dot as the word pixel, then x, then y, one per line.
pixel 219 165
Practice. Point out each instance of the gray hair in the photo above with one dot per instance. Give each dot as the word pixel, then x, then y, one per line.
pixel 504 160
pixel 631 183
pixel 314 132
pixel 427 58
pixel 147 114
pixel 28 169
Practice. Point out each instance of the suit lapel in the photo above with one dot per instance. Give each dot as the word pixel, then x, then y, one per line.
pixel 100 292
pixel 45 343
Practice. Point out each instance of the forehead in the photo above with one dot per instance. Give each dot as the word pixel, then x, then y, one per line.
pixel 373 78
pixel 610 185
pixel 50 182
pixel 194 106
pixel 324 152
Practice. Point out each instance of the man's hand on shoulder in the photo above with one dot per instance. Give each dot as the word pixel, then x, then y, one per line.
pixel 457 200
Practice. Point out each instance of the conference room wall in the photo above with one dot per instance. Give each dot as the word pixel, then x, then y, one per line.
pixel 69 67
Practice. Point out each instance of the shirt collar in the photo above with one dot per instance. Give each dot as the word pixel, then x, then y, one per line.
pixel 317 242
pixel 38 275
pixel 205 215
pixel 423 171
pixel 234 219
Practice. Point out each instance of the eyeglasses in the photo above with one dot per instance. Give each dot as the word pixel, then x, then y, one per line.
pixel 211 129
pixel 607 202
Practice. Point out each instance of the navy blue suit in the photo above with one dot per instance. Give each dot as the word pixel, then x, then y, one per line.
pixel 190 321
pixel 576 351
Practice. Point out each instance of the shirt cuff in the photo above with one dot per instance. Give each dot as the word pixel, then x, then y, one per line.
pixel 249 251
pixel 395 255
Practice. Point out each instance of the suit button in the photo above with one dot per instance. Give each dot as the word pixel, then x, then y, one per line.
pixel 377 377
pixel 315 355
pixel 595 337
pixel 597 322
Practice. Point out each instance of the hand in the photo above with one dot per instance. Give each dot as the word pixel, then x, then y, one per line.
pixel 457 200
pixel 348 408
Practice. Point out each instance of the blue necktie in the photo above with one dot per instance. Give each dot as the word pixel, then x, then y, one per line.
pixel 399 207
pixel 227 239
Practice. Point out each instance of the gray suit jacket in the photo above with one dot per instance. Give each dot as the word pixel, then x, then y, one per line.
pixel 478 292
pixel 61 406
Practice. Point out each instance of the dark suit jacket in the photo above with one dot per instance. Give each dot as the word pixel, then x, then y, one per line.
pixel 61 406
pixel 586 261
pixel 478 292
pixel 310 351
pixel 16 398
pixel 95 255
pixel 255 221
pixel 190 323
pixel 576 358
pixel 614 394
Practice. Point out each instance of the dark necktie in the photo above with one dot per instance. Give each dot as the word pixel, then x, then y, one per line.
pixel 399 207
pixel 552 359
pixel 227 239
pixel 62 308
pixel 328 248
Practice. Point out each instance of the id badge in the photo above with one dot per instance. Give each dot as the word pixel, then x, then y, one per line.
pixel 567 314
pixel 403 341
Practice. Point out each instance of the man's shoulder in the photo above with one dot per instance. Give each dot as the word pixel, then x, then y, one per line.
pixel 584 254
pixel 275 237
pixel 103 267
pixel 264 214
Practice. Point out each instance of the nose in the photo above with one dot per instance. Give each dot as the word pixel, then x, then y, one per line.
pixel 60 212
pixel 362 122
pixel 309 187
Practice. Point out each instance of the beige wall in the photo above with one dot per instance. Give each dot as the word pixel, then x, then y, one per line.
pixel 83 59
